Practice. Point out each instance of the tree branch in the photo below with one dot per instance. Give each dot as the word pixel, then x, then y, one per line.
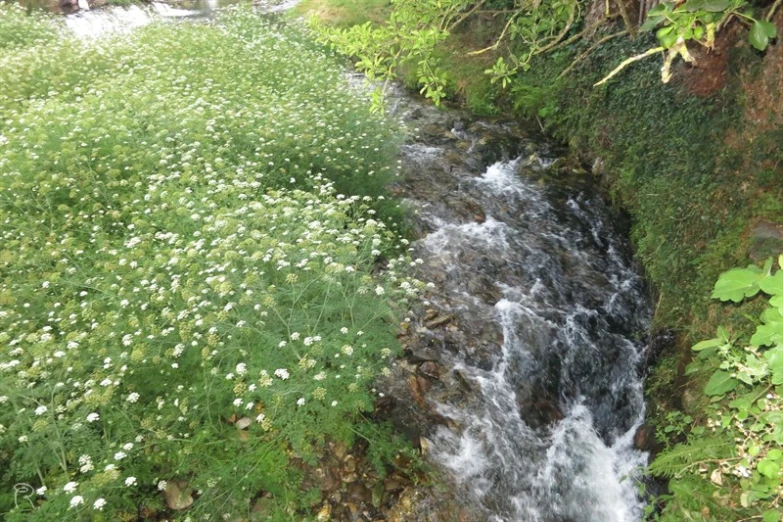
pixel 466 15
pixel 499 39
pixel 629 61
pixel 626 18
pixel 772 10
pixel 561 35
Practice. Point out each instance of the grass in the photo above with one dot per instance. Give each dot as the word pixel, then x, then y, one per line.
pixel 191 219
pixel 345 13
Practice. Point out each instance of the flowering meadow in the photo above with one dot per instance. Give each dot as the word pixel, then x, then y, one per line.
pixel 192 231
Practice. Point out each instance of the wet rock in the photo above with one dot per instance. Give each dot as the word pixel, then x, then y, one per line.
pixel 69 6
pixel 540 412
pixel 439 321
pixel 339 450
pixel 178 495
pixel 350 478
pixel 658 342
pixel 766 240
pixel 325 513
pixel 430 369
pixel 349 464
pixel 644 440
pixel 421 354
pixel 359 493
pixel 392 484
pixel 417 388
pixel 462 380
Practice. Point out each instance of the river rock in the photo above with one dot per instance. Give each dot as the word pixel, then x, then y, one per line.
pixel 430 369
pixel 69 6
pixel 439 321
pixel 766 240
pixel 178 495
pixel 421 354
pixel 644 439
pixel 540 412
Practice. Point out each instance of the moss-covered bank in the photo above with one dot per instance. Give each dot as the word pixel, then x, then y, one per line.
pixel 696 162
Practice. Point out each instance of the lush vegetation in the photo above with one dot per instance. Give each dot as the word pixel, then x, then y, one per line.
pixel 415 29
pixel 695 160
pixel 192 221
pixel 739 446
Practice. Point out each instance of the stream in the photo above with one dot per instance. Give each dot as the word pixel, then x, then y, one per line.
pixel 523 376
pixel 530 364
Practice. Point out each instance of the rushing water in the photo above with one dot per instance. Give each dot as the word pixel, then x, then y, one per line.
pixel 545 314
pixel 547 310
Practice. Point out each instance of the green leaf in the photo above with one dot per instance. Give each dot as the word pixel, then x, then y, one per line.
pixel 758 36
pixel 774 358
pixel 769 468
pixel 667 36
pixel 772 515
pixel 772 284
pixel 720 383
pixel 737 284
pixel 651 23
pixel 715 6
pixel 777 302
pixel 769 28
pixel 773 418
pixel 710 343
pixel 774 454
pixel 694 5
pixel 658 10
pixel 771 332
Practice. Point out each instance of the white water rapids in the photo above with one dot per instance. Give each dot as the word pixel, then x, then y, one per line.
pixel 569 306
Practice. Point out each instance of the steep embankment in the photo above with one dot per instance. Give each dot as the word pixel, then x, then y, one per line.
pixel 697 164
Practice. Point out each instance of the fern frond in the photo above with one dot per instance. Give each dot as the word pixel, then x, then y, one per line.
pixel 682 456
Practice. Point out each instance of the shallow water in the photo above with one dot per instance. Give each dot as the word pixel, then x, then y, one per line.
pixel 547 309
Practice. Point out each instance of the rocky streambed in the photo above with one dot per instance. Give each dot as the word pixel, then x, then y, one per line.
pixel 523 376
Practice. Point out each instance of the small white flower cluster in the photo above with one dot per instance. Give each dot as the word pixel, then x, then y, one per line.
pixel 193 247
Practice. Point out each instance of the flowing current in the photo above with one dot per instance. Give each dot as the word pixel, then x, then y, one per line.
pixel 540 387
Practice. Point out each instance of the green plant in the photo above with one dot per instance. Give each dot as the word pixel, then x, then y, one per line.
pixel 695 21
pixel 744 458
pixel 19 29
pixel 415 28
pixel 192 217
